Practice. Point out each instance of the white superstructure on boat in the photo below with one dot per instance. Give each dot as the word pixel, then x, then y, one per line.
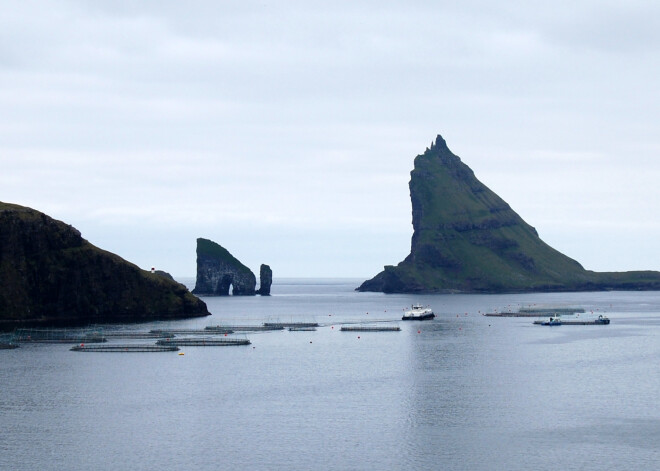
pixel 418 313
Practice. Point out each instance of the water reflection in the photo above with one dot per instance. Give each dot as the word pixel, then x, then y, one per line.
pixel 460 392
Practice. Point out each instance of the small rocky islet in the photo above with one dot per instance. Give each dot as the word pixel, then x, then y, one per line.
pixel 218 272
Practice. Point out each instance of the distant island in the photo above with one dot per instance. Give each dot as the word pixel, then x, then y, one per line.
pixel 466 239
pixel 219 273
pixel 50 275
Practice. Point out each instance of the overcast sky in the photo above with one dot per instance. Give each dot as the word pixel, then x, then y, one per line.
pixel 286 131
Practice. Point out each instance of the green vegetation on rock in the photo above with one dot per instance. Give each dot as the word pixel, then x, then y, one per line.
pixel 50 275
pixel 467 239
pixel 218 272
pixel 208 248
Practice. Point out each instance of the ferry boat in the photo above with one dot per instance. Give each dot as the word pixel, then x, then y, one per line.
pixel 418 313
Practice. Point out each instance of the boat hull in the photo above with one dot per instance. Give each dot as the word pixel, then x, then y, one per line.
pixel 422 317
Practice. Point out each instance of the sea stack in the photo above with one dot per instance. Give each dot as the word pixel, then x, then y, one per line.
pixel 265 280
pixel 50 275
pixel 218 272
pixel 467 239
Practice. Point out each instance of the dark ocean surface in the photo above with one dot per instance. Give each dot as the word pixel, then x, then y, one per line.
pixel 460 392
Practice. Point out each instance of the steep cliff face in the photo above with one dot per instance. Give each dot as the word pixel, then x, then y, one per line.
pixel 218 271
pixel 49 274
pixel 467 239
pixel 265 280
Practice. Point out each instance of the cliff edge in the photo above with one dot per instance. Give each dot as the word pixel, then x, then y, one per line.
pixel 467 239
pixel 218 271
pixel 50 275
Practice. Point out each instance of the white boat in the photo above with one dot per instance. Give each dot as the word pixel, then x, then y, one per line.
pixel 418 313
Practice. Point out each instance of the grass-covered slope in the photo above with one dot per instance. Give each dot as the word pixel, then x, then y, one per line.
pixel 218 272
pixel 50 275
pixel 467 239
pixel 210 249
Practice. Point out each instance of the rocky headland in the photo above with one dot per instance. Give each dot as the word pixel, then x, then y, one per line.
pixel 218 271
pixel 466 239
pixel 50 275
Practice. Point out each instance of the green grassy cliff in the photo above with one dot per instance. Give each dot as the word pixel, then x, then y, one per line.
pixel 467 239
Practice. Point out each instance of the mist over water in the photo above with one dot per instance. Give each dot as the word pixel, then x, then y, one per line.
pixel 461 392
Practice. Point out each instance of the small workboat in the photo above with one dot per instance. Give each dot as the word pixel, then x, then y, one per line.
pixel 554 320
pixel 418 313
pixel 602 320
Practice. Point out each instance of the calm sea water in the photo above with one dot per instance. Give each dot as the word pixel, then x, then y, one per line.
pixel 461 392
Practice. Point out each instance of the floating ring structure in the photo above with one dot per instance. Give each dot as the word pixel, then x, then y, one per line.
pixel 58 336
pixel 241 328
pixel 138 335
pixel 174 332
pixel 370 328
pixel 203 342
pixel 125 348
pixel 291 324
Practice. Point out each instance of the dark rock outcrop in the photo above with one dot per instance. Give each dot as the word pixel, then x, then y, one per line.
pixel 50 275
pixel 162 273
pixel 265 280
pixel 467 239
pixel 218 271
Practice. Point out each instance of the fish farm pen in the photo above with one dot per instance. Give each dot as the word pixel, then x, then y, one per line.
pixel 58 336
pixel 138 335
pixel 242 328
pixel 515 314
pixel 125 348
pixel 551 310
pixel 537 312
pixel 173 332
pixel 291 324
pixel 370 328
pixel 203 342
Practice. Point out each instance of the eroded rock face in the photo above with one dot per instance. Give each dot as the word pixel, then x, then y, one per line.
pixel 218 271
pixel 265 280
pixel 467 239
pixel 50 275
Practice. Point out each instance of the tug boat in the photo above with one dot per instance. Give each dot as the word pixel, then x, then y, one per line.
pixel 418 313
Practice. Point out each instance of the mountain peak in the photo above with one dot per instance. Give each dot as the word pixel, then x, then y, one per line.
pixel 440 143
pixel 467 239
